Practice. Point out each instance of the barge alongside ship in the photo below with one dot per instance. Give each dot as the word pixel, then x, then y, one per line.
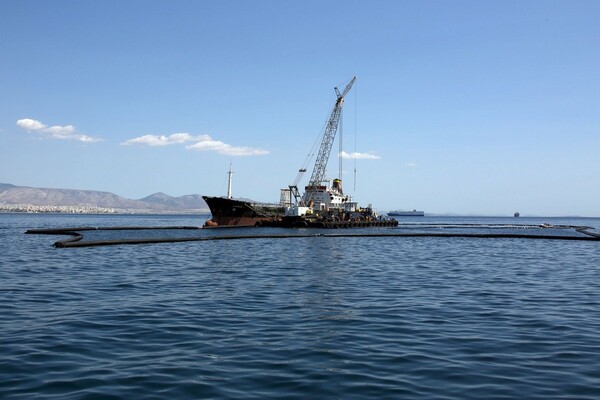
pixel 321 205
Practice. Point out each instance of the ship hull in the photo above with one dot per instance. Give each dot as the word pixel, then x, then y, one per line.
pixel 232 212
pixel 239 213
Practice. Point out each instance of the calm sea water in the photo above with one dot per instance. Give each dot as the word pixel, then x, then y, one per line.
pixel 417 318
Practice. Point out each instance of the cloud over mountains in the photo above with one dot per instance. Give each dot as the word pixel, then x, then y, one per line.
pixel 67 132
pixel 191 142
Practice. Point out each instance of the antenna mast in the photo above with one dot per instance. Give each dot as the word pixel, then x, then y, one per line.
pixel 230 173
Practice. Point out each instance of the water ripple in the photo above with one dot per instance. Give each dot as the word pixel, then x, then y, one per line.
pixel 344 318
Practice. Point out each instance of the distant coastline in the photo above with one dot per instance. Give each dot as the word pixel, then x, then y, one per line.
pixel 33 209
pixel 23 199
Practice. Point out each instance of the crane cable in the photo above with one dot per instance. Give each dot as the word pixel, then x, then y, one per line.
pixel 355 132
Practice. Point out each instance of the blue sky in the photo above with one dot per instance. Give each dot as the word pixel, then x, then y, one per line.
pixel 464 107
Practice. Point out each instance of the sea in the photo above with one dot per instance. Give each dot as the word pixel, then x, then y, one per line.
pixel 317 317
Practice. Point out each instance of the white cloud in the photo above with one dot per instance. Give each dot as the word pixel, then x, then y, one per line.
pixel 200 143
pixel 360 156
pixel 410 165
pixel 227 149
pixel 30 124
pixel 67 132
pixel 162 140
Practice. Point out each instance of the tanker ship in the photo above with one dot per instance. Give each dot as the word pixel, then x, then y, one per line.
pixel 227 211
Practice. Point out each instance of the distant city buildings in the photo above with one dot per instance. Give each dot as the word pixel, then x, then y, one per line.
pixel 29 208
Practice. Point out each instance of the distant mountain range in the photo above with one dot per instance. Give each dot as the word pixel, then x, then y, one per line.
pixel 44 197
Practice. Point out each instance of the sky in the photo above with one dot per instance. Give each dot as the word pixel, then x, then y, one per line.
pixel 463 107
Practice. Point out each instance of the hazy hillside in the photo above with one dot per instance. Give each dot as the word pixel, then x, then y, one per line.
pixel 188 202
pixel 11 194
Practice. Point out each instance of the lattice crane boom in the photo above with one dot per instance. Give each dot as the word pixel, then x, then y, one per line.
pixel 318 173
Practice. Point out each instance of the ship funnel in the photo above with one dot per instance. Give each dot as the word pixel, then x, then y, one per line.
pixel 337 184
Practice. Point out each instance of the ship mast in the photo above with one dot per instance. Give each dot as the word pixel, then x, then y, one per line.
pixel 331 128
pixel 230 173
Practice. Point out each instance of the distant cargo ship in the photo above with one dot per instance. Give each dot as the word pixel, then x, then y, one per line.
pixel 400 213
